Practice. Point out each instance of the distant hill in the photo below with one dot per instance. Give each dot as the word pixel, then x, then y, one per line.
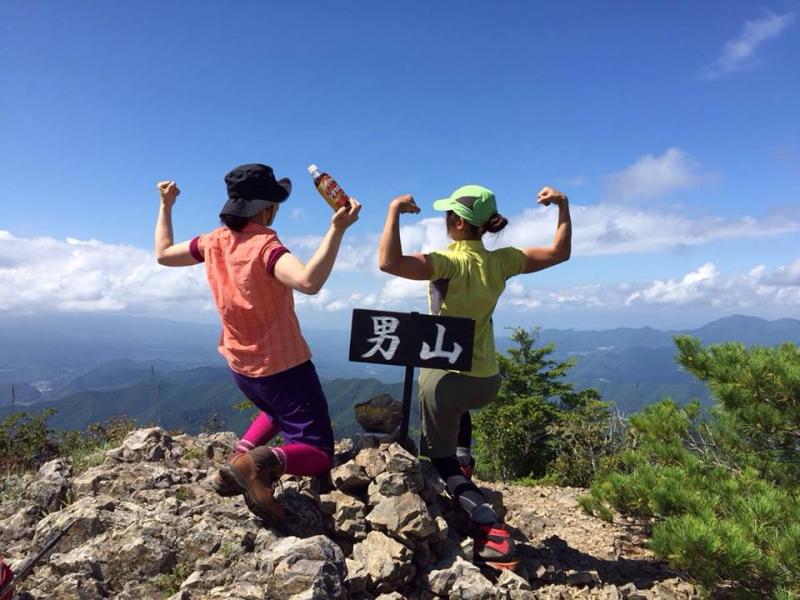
pixel 189 400
pixel 93 366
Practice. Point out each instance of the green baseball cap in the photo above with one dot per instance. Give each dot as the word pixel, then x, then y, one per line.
pixel 473 203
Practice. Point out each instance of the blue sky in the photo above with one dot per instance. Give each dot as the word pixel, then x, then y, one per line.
pixel 675 130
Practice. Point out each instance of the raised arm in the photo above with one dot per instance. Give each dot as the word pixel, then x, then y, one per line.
pixel 309 278
pixel 169 253
pixel 391 258
pixel 560 250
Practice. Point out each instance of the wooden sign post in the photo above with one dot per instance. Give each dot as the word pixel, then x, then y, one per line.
pixel 411 340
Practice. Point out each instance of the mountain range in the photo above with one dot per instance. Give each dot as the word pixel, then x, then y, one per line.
pixel 90 367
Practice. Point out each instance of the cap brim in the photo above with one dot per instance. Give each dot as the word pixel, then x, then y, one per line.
pixel 444 205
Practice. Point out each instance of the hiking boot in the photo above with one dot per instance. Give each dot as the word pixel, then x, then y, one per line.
pixel 494 547
pixel 225 488
pixel 244 472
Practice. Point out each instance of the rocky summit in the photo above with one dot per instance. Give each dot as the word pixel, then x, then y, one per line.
pixel 146 524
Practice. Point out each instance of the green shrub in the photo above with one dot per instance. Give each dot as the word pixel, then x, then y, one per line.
pixel 26 442
pixel 539 428
pixel 722 488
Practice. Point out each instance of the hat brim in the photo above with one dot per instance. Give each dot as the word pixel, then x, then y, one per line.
pixel 458 208
pixel 240 207
pixel 443 205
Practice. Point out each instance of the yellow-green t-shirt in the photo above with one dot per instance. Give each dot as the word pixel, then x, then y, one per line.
pixel 467 280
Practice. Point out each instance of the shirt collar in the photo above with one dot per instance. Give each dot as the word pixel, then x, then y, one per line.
pixel 467 245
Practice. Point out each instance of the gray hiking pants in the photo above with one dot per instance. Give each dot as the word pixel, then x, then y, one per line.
pixel 444 396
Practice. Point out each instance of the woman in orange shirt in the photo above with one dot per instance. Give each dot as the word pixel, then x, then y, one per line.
pixel 252 278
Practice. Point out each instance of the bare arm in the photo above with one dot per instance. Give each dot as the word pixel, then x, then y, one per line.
pixel 391 258
pixel 168 253
pixel 560 250
pixel 309 278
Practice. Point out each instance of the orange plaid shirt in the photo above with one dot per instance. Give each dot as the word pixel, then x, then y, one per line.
pixel 260 331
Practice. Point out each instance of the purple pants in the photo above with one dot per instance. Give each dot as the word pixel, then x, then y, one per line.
pixel 293 404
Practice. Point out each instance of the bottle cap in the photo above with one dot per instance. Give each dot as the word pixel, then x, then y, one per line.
pixel 312 169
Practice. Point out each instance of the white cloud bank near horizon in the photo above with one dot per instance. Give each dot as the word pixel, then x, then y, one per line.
pixel 48 275
pixel 45 274
pixel 739 52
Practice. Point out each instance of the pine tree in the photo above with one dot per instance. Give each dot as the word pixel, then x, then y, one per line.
pixel 722 487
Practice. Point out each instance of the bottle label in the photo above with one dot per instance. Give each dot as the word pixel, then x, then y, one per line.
pixel 333 193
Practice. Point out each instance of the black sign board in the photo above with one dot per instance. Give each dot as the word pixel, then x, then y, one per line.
pixel 412 340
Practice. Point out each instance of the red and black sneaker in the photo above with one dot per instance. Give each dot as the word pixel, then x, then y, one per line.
pixel 494 547
pixel 468 469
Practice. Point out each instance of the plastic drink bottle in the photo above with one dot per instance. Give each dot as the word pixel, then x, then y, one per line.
pixel 328 188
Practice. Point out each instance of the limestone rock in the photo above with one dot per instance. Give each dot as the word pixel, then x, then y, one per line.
pixel 406 514
pixel 350 478
pixel 388 562
pixel 315 563
pixel 153 444
pixel 49 490
pixel 462 579
pixel 380 414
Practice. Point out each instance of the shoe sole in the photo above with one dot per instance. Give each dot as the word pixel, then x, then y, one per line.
pixel 232 476
pixel 499 566
pixel 224 488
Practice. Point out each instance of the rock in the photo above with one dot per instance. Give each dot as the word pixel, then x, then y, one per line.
pixel 350 478
pixel 433 485
pixel 315 564
pixel 400 460
pixel 381 414
pixel 406 514
pixel 357 576
pixel 49 491
pixel 509 580
pixel 347 512
pixel 461 580
pixel 153 444
pixel 371 459
pixel 82 561
pixel 146 522
pixel 583 578
pixel 388 562
pixel 674 589
pixel 78 587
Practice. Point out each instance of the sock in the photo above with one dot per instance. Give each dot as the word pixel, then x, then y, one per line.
pixel 465 492
pixel 469 497
pixel 463 455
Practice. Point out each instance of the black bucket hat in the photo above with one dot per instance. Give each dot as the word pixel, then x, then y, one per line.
pixel 252 188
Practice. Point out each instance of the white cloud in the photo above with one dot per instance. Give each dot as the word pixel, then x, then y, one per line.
pixel 652 176
pixel 604 229
pixel 755 291
pixel 787 275
pixel 738 53
pixel 691 287
pixel 45 274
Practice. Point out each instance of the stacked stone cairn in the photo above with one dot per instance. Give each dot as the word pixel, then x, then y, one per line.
pixel 146 524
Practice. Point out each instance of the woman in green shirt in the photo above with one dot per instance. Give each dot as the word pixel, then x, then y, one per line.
pixel 466 280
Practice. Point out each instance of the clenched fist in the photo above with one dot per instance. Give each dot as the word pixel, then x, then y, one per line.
pixel 548 196
pixel 168 190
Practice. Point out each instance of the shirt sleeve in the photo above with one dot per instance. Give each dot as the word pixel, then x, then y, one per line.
pixel 194 249
pixel 444 266
pixel 271 252
pixel 511 261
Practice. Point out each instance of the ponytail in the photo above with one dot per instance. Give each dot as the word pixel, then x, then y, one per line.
pixel 495 224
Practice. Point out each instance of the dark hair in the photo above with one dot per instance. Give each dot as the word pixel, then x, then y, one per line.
pixel 495 224
pixel 233 222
